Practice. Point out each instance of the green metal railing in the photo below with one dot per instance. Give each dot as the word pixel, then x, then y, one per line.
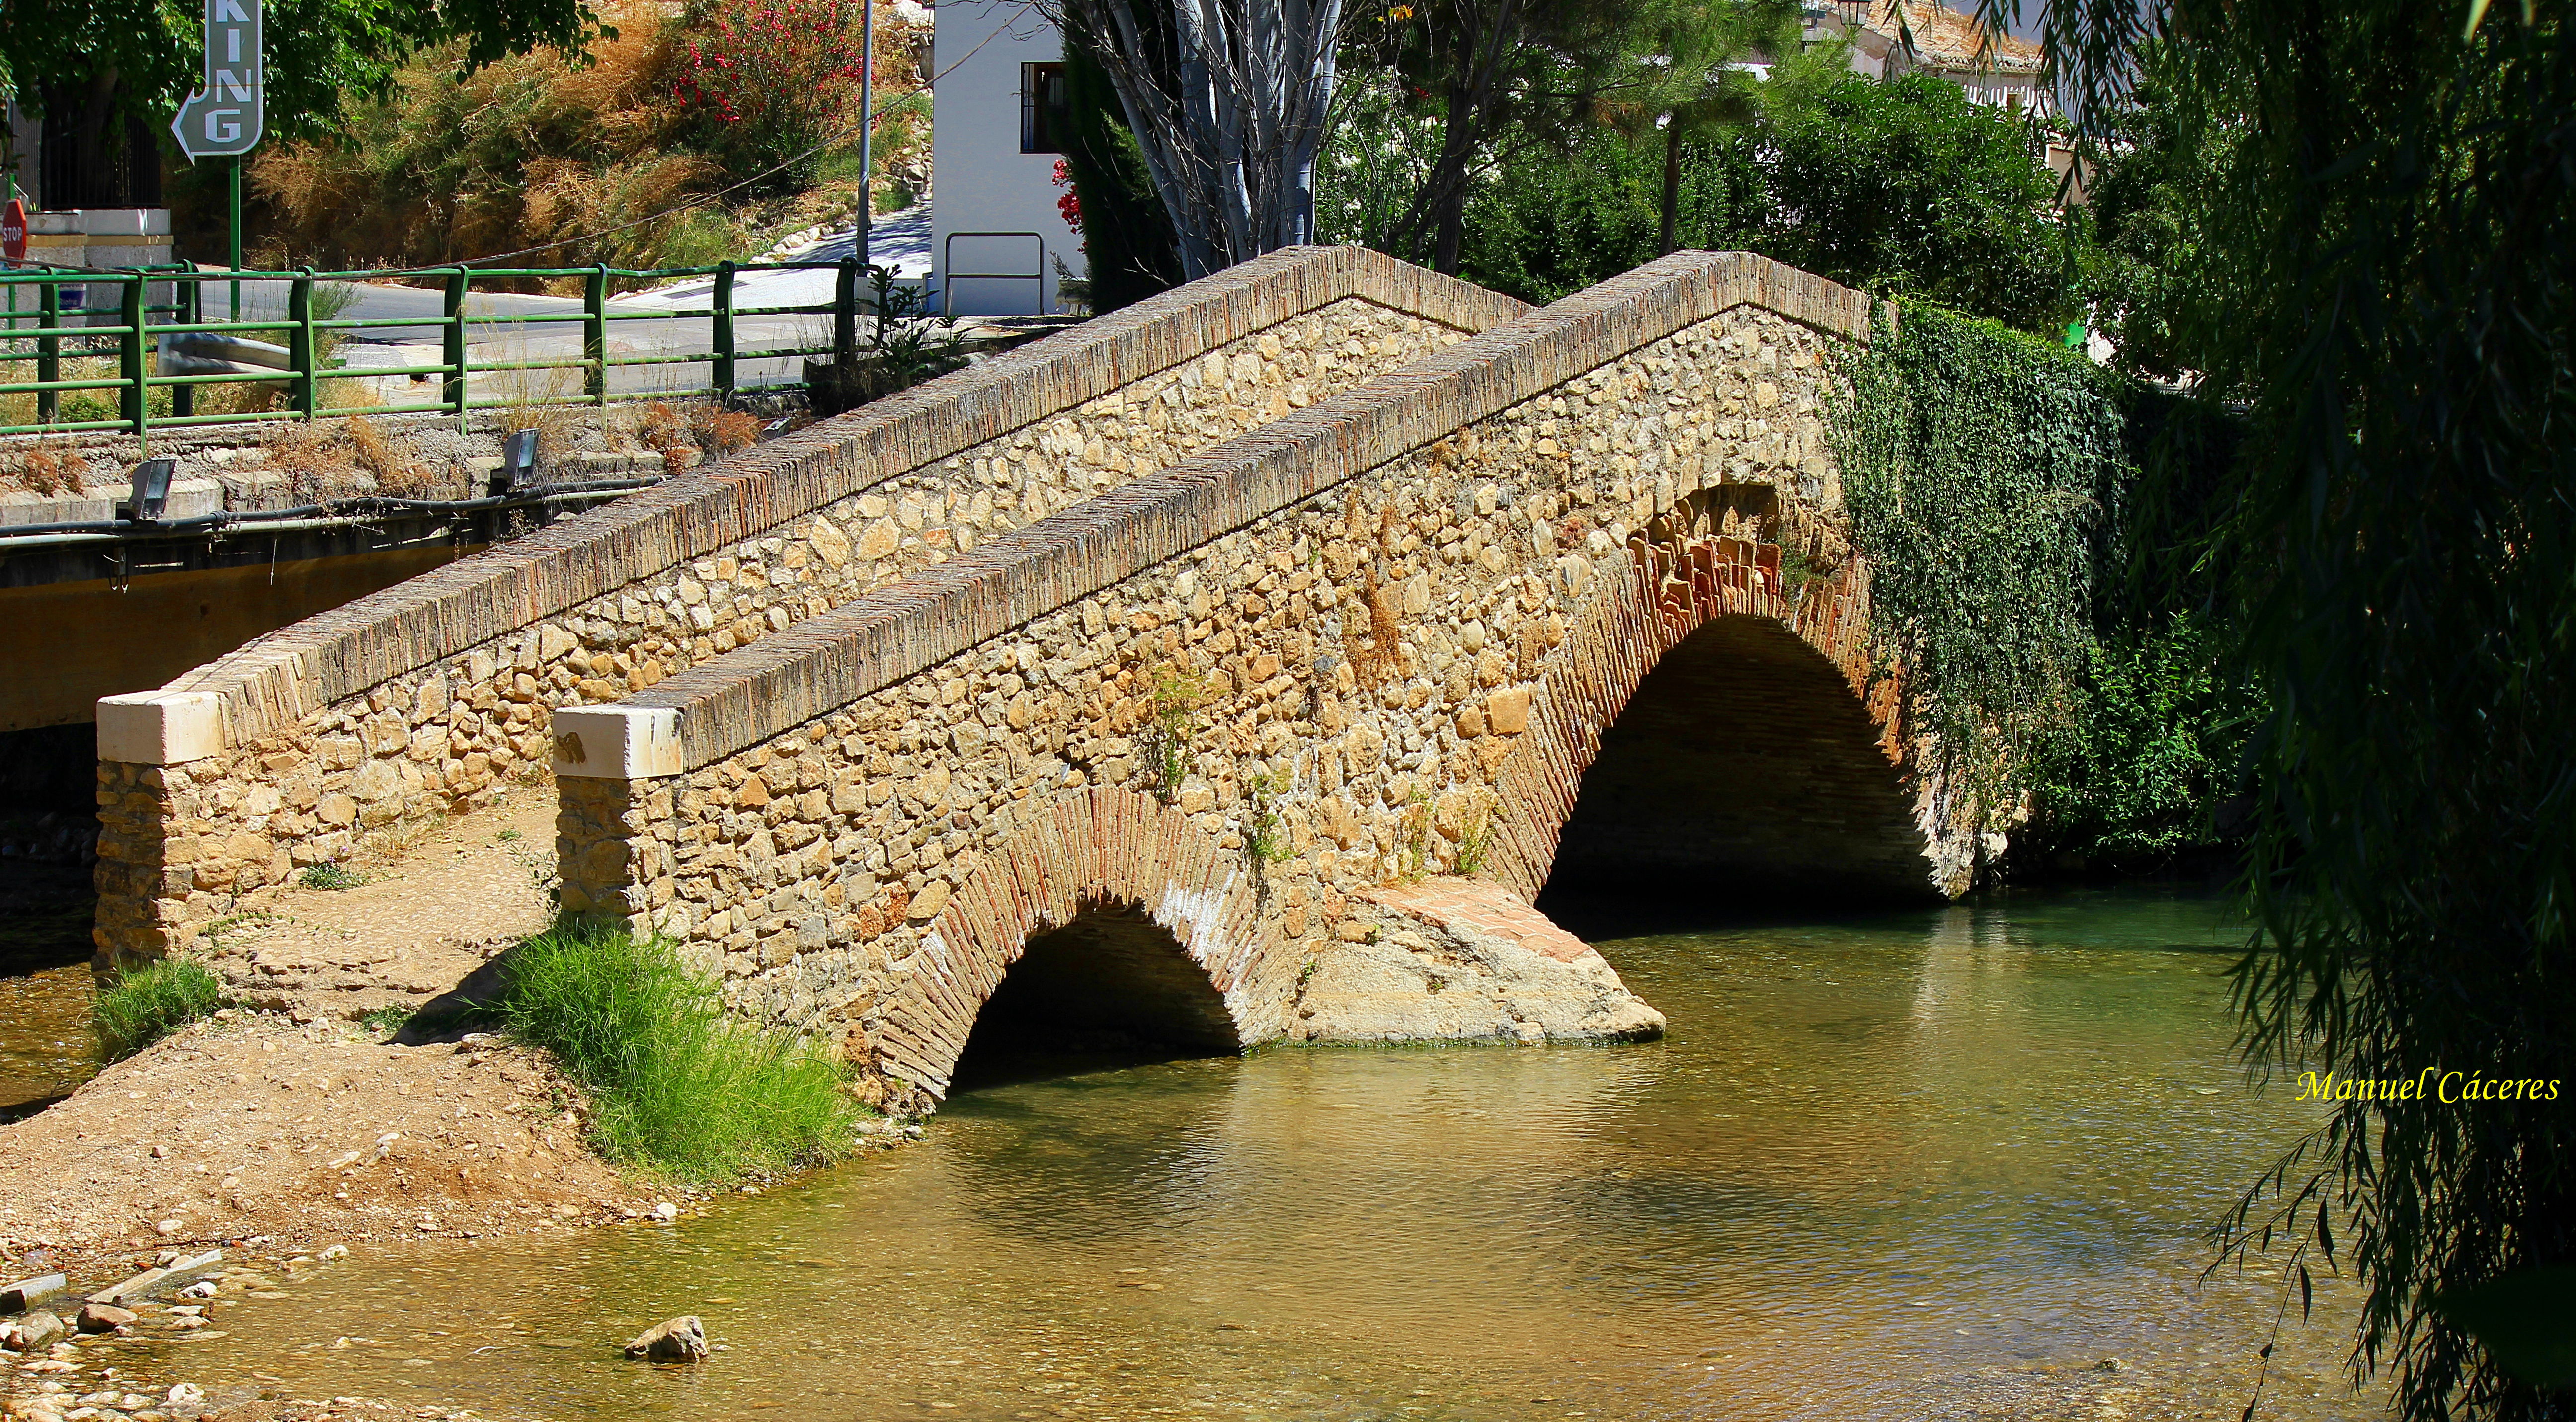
pixel 34 333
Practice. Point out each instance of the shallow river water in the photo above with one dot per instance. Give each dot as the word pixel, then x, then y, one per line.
pixel 1924 1165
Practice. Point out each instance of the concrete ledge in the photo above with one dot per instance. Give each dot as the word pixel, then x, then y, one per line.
pixel 160 727
pixel 617 742
pixel 816 666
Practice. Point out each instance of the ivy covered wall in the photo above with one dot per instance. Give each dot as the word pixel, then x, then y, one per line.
pixel 2033 524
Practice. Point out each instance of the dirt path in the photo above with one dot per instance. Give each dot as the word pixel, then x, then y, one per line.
pixel 411 927
pixel 287 1119
pixel 251 1125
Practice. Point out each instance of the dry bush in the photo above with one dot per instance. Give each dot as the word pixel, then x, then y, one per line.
pixel 314 462
pixel 45 469
pixel 666 432
pixel 395 475
pixel 721 431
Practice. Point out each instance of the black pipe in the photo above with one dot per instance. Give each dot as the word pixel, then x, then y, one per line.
pixel 347 508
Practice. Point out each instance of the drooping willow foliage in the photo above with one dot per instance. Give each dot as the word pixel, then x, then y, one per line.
pixel 1981 469
pixel 2387 285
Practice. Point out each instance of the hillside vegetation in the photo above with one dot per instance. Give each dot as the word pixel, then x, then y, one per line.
pixel 692 135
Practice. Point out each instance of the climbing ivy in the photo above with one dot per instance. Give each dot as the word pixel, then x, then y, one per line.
pixel 2030 522
pixel 1980 468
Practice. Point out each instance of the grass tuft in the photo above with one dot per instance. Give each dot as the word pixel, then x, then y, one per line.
pixel 149 1003
pixel 676 1085
pixel 332 875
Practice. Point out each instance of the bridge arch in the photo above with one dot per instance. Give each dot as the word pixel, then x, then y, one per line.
pixel 1711 723
pixel 1117 905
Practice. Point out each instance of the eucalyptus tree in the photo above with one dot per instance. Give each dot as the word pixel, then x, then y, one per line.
pixel 1228 102
pixel 2381 280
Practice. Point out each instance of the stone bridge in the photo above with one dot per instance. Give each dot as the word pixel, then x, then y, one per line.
pixel 1238 668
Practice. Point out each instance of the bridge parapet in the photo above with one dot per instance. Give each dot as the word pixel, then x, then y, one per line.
pixel 420 699
pixel 1414 609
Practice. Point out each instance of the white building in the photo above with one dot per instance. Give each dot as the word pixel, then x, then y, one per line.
pixel 998 118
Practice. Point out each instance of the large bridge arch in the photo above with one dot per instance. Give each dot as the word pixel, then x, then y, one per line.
pixel 1103 874
pixel 1710 725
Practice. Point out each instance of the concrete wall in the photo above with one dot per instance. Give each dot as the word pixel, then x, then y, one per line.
pixel 1416 606
pixel 419 699
pixel 980 180
pixel 72 643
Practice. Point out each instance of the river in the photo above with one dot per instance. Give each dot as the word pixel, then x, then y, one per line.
pixel 1931 1164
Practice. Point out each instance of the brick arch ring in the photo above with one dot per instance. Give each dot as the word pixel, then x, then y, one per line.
pixel 1101 847
pixel 1686 572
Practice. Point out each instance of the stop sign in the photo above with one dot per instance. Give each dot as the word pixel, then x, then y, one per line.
pixel 13 231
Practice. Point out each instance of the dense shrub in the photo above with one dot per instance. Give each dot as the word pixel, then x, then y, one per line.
pixel 1903 186
pixel 609 154
pixel 676 1085
pixel 2022 510
pixel 145 1004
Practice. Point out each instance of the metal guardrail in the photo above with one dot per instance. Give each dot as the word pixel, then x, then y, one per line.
pixel 41 336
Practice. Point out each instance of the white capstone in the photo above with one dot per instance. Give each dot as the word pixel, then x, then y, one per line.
pixel 160 727
pixel 617 742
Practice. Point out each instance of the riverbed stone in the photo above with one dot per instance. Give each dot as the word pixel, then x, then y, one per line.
pixel 676 1340
pixel 104 1318
pixel 19 1296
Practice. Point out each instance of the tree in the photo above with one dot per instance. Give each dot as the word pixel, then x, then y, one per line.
pixel 1127 237
pixel 1908 183
pixel 1473 83
pixel 1697 81
pixel 2157 186
pixel 142 57
pixel 2385 290
pixel 1227 101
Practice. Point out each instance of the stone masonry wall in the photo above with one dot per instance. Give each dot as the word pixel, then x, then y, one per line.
pixel 182 845
pixel 1402 673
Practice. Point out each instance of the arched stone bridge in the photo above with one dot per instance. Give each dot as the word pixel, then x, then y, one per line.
pixel 1241 673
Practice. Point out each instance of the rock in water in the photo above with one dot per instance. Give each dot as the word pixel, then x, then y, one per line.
pixel 678 1340
pixel 104 1318
pixel 40 1328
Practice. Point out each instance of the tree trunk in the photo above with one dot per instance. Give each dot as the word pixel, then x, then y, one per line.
pixel 1669 241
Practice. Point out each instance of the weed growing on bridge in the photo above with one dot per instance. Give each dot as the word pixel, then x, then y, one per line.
pixel 1166 739
pixel 676 1085
pixel 149 1003
pixel 1262 839
pixel 1476 841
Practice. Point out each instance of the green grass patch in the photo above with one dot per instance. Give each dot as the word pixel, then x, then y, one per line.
pixel 388 1020
pixel 149 1003
pixel 331 876
pixel 676 1085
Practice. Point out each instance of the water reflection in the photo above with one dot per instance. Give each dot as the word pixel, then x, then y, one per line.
pixel 1880 1168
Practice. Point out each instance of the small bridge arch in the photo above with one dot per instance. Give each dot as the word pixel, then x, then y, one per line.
pixel 1107 909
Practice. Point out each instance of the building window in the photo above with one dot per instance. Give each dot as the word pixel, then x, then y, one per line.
pixel 1044 112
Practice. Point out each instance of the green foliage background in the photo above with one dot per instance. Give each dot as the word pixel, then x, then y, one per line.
pixel 1904 186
